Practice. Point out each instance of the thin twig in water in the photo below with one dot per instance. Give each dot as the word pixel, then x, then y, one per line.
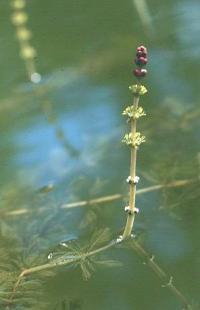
pixel 109 198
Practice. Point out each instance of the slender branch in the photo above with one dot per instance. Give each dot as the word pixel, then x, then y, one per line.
pixel 110 198
pixel 114 197
pixel 65 261
pixel 167 281
pixel 98 200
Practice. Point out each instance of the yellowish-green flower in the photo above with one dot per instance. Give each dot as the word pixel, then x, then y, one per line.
pixel 134 140
pixel 138 89
pixel 133 112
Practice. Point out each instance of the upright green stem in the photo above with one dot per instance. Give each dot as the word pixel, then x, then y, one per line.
pixel 132 190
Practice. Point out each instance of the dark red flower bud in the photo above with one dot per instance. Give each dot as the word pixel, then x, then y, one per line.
pixel 140 72
pixel 141 61
pixel 141 54
pixel 142 48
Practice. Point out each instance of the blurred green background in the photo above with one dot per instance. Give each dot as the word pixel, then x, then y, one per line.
pixel 64 135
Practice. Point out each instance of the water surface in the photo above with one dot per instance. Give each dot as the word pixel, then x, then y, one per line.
pixel 61 143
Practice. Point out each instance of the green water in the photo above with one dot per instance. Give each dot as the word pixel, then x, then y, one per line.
pixel 61 143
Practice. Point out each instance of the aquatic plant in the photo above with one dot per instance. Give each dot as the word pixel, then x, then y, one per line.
pixel 17 289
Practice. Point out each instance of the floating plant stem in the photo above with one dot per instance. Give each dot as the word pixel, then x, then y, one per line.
pixel 134 138
pixel 105 199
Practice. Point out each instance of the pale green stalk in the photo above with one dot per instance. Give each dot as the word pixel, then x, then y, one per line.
pixel 132 190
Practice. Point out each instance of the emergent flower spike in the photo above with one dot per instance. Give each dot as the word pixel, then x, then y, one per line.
pixel 134 139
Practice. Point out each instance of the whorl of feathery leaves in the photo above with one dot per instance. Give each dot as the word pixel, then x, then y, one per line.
pixel 78 255
pixel 14 257
pixel 98 238
pixel 87 263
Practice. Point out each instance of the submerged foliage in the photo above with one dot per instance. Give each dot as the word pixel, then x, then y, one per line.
pixel 17 255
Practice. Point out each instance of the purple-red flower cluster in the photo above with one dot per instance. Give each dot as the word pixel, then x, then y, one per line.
pixel 140 60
